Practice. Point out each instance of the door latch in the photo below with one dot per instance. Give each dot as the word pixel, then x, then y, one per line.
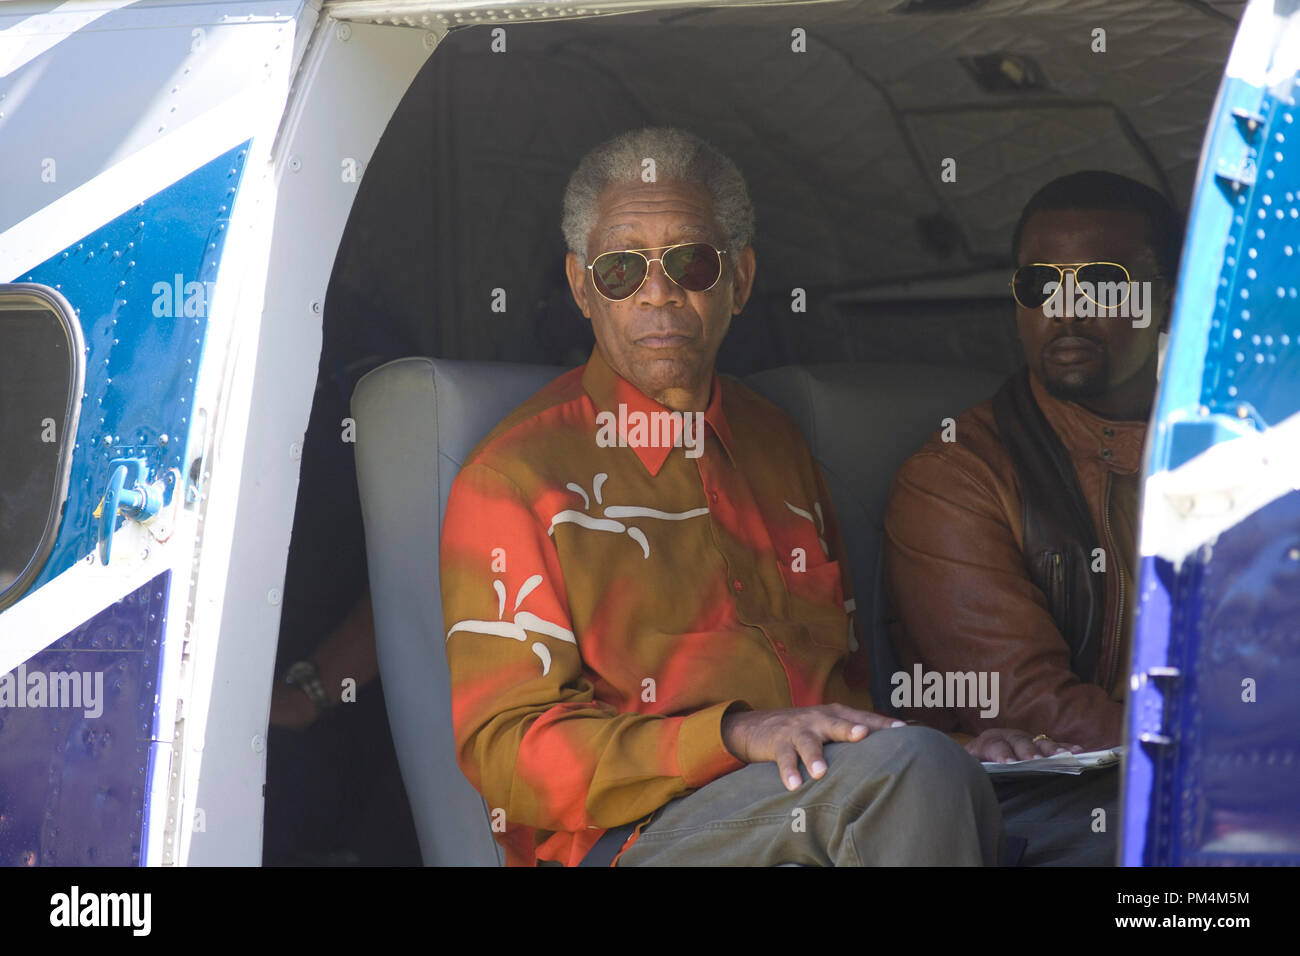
pixel 128 494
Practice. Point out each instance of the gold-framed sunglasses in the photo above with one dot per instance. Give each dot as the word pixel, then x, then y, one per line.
pixel 619 275
pixel 1029 282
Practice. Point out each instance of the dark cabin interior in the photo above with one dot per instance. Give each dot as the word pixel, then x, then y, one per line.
pixel 843 146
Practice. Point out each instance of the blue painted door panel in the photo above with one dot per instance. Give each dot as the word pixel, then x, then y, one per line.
pixel 1213 771
pixel 125 281
pixel 74 787
pixel 74 779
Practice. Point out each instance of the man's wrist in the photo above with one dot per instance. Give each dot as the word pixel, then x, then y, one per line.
pixel 306 677
pixel 702 754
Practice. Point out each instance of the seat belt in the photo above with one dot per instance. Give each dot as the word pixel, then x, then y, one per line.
pixel 606 848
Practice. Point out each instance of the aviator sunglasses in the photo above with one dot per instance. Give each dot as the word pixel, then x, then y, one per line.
pixel 1028 282
pixel 695 266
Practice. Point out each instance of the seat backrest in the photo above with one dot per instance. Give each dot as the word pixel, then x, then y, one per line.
pixel 862 421
pixel 418 418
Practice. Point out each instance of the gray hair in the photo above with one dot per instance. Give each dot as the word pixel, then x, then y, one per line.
pixel 677 155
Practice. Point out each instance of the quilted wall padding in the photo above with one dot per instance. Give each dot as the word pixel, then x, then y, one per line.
pixel 841 146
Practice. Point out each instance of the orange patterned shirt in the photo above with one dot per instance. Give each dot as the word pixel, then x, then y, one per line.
pixel 613 582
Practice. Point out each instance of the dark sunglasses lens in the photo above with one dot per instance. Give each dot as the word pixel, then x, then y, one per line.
pixel 1097 272
pixel 695 267
pixel 618 274
pixel 1105 284
pixel 1030 285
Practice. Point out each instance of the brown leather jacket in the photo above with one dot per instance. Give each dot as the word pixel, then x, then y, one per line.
pixel 961 597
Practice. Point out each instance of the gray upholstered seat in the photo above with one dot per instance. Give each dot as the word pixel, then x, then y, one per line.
pixel 862 421
pixel 418 418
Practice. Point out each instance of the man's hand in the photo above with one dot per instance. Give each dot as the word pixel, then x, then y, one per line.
pixel 786 736
pixel 1003 746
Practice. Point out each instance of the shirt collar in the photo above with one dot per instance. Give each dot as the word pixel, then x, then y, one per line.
pixel 608 390
pixel 1117 444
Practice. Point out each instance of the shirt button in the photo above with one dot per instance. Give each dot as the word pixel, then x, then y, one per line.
pixel 713 496
pixel 1106 453
pixel 1108 432
pixel 737 585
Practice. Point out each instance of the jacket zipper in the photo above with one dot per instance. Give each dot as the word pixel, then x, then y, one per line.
pixel 1111 654
pixel 1058 589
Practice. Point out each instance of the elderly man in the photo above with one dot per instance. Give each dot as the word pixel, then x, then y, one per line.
pixel 1010 544
pixel 644 586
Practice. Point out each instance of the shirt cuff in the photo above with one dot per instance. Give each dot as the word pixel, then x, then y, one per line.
pixel 702 757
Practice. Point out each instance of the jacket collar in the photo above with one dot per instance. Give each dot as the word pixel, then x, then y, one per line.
pixel 608 390
pixel 1116 444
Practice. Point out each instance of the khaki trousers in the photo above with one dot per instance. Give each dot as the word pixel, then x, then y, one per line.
pixel 908 796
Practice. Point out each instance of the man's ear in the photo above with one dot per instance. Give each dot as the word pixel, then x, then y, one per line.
pixel 577 275
pixel 742 279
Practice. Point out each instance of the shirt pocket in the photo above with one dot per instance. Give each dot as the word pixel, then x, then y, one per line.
pixel 816 588
pixel 817 602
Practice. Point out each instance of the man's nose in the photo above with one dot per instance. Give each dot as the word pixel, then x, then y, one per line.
pixel 658 289
pixel 1066 308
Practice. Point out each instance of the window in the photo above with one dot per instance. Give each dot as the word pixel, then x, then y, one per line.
pixel 42 367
